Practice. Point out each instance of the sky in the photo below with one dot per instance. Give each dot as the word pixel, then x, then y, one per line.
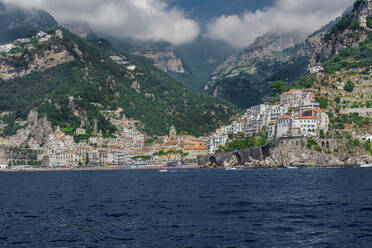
pixel 156 20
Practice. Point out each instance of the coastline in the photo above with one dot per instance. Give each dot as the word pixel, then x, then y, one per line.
pixel 154 168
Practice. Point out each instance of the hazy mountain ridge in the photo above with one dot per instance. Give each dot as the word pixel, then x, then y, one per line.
pixel 247 72
pixel 15 22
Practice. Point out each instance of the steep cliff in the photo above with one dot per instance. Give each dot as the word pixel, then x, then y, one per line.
pixel 349 32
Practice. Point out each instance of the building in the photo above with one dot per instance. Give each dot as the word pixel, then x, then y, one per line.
pixel 367 137
pixel 322 118
pixel 292 97
pixel 195 152
pixel 6 48
pixel 62 159
pixel 307 124
pixel 283 125
pixel 271 130
pixel 308 104
pixel 215 141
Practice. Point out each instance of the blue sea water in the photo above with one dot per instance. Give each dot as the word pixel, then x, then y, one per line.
pixel 195 208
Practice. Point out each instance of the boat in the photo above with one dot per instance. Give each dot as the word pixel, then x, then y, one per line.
pixel 290 167
pixel 163 170
pixel 230 168
pixel 366 166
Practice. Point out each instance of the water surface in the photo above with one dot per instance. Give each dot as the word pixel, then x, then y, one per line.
pixel 196 208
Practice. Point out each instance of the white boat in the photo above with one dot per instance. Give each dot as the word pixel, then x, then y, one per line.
pixel 163 170
pixel 230 168
pixel 366 166
pixel 290 167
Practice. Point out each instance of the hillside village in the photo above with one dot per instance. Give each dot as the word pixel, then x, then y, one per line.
pixel 328 120
pixel 296 115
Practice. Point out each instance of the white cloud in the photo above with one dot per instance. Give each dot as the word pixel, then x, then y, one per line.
pixel 302 16
pixel 139 19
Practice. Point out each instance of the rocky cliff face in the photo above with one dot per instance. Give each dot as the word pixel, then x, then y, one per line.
pixel 349 32
pixel 25 62
pixel 266 49
pixel 164 58
pixel 294 152
pixel 39 127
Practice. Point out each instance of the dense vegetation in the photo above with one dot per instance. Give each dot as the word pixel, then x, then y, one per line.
pixel 244 90
pixel 245 143
pixel 97 84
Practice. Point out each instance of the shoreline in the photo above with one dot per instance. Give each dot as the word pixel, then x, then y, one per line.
pixel 167 168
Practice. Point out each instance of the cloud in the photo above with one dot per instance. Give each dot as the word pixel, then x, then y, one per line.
pixel 302 16
pixel 138 19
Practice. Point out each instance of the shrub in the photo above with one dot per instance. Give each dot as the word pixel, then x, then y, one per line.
pixel 349 86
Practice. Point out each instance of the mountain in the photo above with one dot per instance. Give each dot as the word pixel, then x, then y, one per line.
pixel 74 83
pixel 243 79
pixel 272 57
pixel 192 63
pixel 16 22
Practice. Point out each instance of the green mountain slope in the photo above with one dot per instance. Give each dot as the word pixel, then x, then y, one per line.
pixel 76 91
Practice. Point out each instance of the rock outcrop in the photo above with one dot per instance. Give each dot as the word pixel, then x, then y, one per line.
pixel 164 58
pixel 39 128
pixel 24 63
pixel 349 32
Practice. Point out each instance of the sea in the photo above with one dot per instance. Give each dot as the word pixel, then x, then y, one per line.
pixel 311 207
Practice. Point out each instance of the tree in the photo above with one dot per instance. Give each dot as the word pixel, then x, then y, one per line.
pixel 349 86
pixel 278 86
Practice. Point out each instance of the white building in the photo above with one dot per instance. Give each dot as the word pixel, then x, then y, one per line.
pixel 292 98
pixel 24 40
pixel 6 48
pixel 66 158
pixel 215 141
pixel 131 67
pixel 307 124
pixel 367 137
pixel 308 104
pixel 277 111
pixel 283 125
pixel 237 127
pixel 271 130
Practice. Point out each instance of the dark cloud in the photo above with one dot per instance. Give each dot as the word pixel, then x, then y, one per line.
pixel 139 19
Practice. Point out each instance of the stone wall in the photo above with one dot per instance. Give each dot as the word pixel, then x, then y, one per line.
pixel 236 158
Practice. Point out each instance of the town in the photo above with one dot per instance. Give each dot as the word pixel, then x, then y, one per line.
pixel 296 114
